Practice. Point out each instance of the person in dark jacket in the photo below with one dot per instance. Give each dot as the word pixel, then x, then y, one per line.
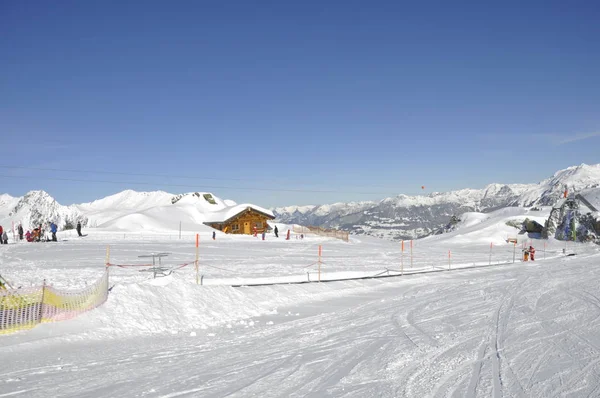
pixel 53 229
pixel 276 232
pixel 79 228
pixel 20 229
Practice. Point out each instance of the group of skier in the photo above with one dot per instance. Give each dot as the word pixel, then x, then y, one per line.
pixel 529 253
pixel 36 234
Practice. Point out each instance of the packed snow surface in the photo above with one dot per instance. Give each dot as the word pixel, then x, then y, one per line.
pixel 463 320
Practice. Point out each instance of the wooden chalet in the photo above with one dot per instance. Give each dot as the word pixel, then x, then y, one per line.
pixel 242 222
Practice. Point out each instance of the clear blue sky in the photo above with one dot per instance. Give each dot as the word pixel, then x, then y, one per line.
pixel 352 97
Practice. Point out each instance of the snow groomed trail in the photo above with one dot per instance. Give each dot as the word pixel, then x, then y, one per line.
pixel 526 330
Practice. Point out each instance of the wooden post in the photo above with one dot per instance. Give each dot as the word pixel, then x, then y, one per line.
pixel 320 263
pixel 197 244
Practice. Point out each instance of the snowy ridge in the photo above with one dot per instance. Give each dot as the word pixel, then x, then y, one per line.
pixel 575 179
pixel 400 217
pixel 410 217
pixel 127 211
pixel 36 207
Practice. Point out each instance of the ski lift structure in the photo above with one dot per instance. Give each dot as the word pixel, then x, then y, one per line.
pixel 157 270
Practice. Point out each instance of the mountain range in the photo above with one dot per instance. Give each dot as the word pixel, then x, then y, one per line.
pixel 412 217
pixel 400 217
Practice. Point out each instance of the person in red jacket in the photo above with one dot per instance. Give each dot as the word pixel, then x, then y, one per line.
pixel 1 230
pixel 532 253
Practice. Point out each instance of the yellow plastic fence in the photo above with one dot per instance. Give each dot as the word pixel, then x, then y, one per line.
pixel 22 309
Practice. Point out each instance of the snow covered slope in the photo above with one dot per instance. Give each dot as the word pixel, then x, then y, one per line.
pixel 409 217
pixel 442 333
pixel 400 217
pixel 125 211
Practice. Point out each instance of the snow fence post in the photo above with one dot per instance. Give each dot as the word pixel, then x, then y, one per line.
pixel 319 263
pixel 41 314
pixel 197 244
pixel 402 259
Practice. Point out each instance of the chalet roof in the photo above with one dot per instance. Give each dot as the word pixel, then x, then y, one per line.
pixel 229 212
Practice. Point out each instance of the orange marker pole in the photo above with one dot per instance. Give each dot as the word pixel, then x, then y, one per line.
pixel 197 245
pixel 402 259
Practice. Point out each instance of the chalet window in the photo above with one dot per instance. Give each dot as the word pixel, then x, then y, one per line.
pixel 258 224
pixel 235 227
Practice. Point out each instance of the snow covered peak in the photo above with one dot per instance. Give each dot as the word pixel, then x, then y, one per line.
pixel 574 179
pixel 128 199
pixel 579 177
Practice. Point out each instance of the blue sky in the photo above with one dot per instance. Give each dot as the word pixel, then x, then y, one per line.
pixel 281 103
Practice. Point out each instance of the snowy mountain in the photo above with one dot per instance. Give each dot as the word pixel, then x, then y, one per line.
pixel 125 211
pixel 37 207
pixel 410 217
pixel 400 217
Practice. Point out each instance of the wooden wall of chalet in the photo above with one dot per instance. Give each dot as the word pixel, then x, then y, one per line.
pixel 245 222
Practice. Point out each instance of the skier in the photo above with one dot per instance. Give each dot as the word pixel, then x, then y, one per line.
pixel 53 229
pixel 263 235
pixel 28 236
pixel 20 229
pixel 1 241
pixel 276 232
pixel 525 254
pixel 214 235
pixel 79 228
pixel 532 253
pixel 255 231
pixel 288 235
pixel 5 238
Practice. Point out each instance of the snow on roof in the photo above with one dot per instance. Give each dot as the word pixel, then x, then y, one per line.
pixel 228 212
